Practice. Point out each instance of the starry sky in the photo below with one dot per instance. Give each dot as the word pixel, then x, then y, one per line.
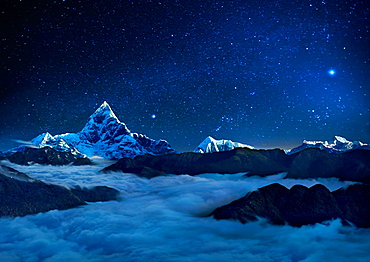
pixel 267 73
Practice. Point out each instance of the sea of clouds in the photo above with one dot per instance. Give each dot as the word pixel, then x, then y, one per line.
pixel 165 219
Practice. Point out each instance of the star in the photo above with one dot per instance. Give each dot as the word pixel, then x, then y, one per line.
pixel 236 75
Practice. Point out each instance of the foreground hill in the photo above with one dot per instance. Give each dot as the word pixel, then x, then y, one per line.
pixel 22 195
pixel 300 205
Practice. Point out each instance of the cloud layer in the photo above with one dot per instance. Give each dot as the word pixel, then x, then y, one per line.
pixel 163 219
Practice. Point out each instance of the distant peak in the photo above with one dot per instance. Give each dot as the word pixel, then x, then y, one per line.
pixel 210 145
pixel 337 145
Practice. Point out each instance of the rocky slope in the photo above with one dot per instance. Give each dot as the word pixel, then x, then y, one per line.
pixel 300 205
pixel 22 195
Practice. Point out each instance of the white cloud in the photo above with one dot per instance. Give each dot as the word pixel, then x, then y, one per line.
pixel 162 219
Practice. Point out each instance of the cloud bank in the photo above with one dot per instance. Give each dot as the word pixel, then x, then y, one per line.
pixel 164 219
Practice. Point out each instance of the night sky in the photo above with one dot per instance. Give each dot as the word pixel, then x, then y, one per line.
pixel 266 73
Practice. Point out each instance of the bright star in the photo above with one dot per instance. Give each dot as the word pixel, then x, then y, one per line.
pixel 331 72
pixel 153 116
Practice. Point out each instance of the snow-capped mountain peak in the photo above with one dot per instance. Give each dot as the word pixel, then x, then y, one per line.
pixel 211 145
pixel 337 145
pixel 56 142
pixel 105 136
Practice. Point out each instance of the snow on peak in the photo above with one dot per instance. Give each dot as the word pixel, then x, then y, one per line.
pixel 337 145
pixel 103 114
pixel 211 145
pixel 105 110
pixel 208 140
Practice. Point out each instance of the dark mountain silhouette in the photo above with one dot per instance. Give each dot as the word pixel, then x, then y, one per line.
pixel 301 205
pixel 313 162
pixel 257 162
pixel 309 163
pixel 22 195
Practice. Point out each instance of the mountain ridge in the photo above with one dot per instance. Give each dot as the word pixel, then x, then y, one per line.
pixel 309 163
pixel 337 145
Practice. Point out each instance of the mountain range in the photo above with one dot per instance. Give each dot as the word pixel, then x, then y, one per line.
pixel 104 135
pixel 337 145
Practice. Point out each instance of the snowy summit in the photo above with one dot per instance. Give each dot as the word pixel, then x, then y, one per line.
pixel 211 145
pixel 105 136
pixel 335 146
pixel 46 139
